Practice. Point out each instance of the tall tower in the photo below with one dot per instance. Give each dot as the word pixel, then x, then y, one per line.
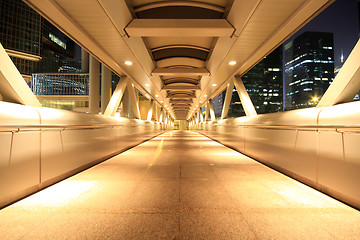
pixel 20 35
pixel 264 84
pixel 309 69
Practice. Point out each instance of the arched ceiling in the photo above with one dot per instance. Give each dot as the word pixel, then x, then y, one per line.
pixel 180 49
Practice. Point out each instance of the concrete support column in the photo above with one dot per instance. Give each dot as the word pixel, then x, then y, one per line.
pixel 211 109
pixel 105 87
pixel 156 109
pixel 94 85
pixel 13 87
pixel 227 100
pixel 125 105
pixel 116 98
pixel 84 61
pixel 151 110
pixel 244 97
pixel 134 98
pixel 207 112
pixel 201 115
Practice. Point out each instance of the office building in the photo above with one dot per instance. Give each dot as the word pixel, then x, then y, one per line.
pixel 309 69
pixel 264 85
pixel 20 35
pixel 33 44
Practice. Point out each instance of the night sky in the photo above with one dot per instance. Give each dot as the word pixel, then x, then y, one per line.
pixel 341 18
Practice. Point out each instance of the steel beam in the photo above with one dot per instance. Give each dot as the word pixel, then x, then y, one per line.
pixel 184 72
pixel 346 84
pixel 169 87
pixel 13 87
pixel 244 97
pixel 179 28
pixel 134 100
pixel 227 100
pixel 116 97
pixel 151 110
pixel 211 109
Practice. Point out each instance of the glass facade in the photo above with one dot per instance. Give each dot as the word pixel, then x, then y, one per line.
pixel 264 84
pixel 218 103
pixel 20 32
pixel 60 84
pixel 299 72
pixel 20 27
pixel 309 69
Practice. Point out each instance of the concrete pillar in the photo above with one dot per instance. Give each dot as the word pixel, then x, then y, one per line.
pixel 244 97
pixel 125 105
pixel 94 85
pixel 134 99
pixel 13 87
pixel 151 110
pixel 105 87
pixel 211 109
pixel 227 100
pixel 84 61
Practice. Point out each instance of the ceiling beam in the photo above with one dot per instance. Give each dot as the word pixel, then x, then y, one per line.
pixel 180 104
pixel 179 28
pixel 180 71
pixel 181 96
pixel 169 87
pixel 176 101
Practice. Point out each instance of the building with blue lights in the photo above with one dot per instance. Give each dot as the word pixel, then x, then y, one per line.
pixel 309 69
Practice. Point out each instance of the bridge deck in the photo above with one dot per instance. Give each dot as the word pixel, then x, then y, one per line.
pixel 179 185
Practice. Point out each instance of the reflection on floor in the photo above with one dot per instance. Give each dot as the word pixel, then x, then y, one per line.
pixel 180 185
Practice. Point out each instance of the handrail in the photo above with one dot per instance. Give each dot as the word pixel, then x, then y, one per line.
pixel 301 125
pixel 305 127
pixel 59 126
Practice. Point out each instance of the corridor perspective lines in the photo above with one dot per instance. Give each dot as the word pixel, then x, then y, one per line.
pixel 179 185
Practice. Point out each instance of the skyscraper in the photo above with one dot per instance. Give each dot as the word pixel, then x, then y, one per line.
pixel 309 69
pixel 33 44
pixel 20 35
pixel 264 85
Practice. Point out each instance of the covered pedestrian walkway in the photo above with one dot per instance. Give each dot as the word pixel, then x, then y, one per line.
pixel 179 185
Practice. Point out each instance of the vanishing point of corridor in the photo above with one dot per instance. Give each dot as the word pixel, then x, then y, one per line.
pixel 179 185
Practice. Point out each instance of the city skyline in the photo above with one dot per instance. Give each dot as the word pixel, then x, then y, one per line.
pixel 342 19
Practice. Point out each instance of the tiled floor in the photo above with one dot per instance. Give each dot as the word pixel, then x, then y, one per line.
pixel 180 185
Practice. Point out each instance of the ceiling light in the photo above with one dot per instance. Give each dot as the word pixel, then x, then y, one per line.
pixel 200 101
pixel 232 63
pixel 147 84
pixel 214 85
pixel 162 101
pixel 156 95
pixel 129 63
pixel 205 95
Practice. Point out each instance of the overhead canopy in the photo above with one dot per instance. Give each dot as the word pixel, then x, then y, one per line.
pixel 180 49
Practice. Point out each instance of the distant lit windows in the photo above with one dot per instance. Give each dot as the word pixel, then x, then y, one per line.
pixel 273 69
pixel 56 40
